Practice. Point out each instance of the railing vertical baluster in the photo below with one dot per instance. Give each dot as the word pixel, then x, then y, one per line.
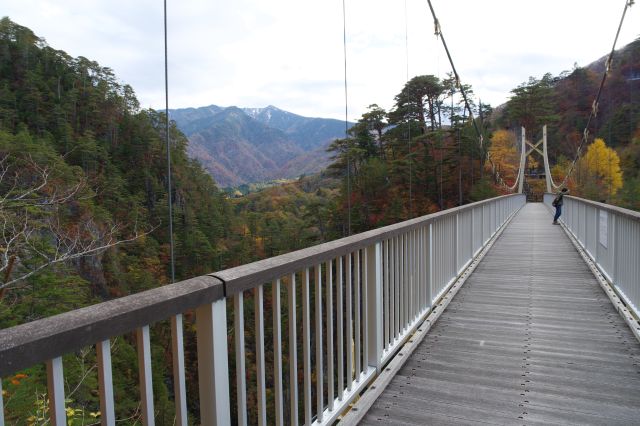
pixel 144 368
pixel 55 386
pixel 340 327
pixel 392 295
pixel 426 268
pixel 421 279
pixel 241 380
pixel 385 295
pixel 1 405
pixel 430 266
pixel 179 385
pixel 329 300
pixel 418 269
pixel 405 279
pixel 306 347
pixel 277 352
pixel 258 310
pixel 412 277
pixel 401 305
pixel 349 325
pixel 213 363
pixel 319 365
pixel 105 383
pixel 397 285
pixel 416 274
pixel 456 244
pixel 293 345
pixel 365 310
pixel 357 282
pixel 373 321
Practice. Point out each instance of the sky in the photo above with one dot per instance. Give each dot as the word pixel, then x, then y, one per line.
pixel 290 53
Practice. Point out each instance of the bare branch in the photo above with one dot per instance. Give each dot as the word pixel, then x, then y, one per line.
pixel 70 253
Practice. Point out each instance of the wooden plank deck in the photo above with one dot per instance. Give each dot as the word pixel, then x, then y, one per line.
pixel 531 338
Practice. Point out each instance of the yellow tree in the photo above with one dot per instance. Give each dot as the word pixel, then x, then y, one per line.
pixel 600 175
pixel 532 163
pixel 504 154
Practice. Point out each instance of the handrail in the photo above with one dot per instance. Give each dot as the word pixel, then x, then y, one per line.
pixel 610 237
pixel 373 289
pixel 33 342
pixel 631 214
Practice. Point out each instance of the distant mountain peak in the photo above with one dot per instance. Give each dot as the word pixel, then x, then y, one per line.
pixel 245 145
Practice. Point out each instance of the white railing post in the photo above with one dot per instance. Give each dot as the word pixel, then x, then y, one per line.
pixel 612 244
pixel 293 361
pixel 55 384
pixel 306 348
pixel 179 386
pixel 241 380
pixel 277 353
pixel 339 327
pixel 456 244
pixel 318 338
pixel 1 404
pixel 258 310
pixel 374 305
pixel 348 324
pixel 429 260
pixel 143 341
pixel 213 365
pixel 329 301
pixel 105 383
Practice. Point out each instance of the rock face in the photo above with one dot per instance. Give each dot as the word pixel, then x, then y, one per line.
pixel 256 144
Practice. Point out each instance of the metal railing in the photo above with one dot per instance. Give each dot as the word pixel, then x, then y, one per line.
pixel 610 236
pixel 356 301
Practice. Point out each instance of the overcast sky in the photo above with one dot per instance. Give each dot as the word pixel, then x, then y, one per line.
pixel 289 53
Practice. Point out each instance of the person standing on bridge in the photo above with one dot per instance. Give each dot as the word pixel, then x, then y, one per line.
pixel 557 203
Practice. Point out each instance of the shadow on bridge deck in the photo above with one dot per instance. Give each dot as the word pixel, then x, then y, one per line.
pixel 530 338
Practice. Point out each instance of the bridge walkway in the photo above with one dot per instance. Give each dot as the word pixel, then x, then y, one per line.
pixel 531 338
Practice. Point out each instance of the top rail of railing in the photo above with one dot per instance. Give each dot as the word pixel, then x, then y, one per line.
pixel 631 214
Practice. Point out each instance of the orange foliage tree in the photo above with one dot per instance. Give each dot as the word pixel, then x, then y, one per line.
pixel 504 154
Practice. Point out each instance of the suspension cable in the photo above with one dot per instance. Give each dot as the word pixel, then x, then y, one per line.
pixel 166 116
pixel 438 33
pixel 346 115
pixel 596 101
pixel 406 48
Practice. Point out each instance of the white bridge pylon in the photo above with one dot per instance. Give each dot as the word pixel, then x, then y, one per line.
pixel 524 153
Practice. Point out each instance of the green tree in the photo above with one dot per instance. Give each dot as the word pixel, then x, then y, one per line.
pixel 419 101
pixel 533 104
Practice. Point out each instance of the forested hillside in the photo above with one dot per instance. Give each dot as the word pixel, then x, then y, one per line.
pixel 83 202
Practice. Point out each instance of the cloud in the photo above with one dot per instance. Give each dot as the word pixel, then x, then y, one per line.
pixel 290 53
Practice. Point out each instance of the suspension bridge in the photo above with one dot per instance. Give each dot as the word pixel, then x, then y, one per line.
pixel 484 313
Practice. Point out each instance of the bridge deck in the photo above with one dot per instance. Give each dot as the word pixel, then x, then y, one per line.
pixel 531 338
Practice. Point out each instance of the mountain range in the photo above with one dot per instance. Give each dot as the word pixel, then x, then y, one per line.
pixel 245 145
